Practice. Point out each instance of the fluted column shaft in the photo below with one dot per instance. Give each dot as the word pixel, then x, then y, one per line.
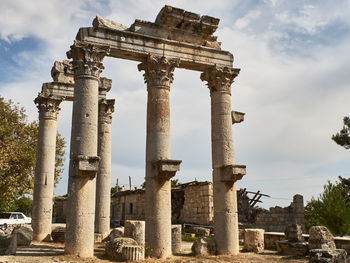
pixel 224 192
pixel 45 168
pixel 83 166
pixel 103 180
pixel 158 76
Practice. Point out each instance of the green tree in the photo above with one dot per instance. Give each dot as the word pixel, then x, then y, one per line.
pixel 18 141
pixel 343 136
pixel 331 208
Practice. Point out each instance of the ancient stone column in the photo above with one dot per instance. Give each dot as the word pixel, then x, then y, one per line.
pixel 103 180
pixel 83 165
pixel 159 168
pixel 225 173
pixel 45 167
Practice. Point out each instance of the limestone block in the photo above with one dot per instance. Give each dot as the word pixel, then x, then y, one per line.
pixel 321 238
pixel 204 246
pixel 116 232
pixel 237 117
pixel 327 256
pixel 98 238
pixel 294 233
pixel 286 247
pixel 114 247
pixel 232 173
pixel 59 234
pixel 24 235
pixel 254 240
pixel 133 253
pixel 176 238
pixel 200 231
pixel 135 230
pixel 8 244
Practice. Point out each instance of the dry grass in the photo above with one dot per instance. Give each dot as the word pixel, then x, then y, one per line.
pixel 54 253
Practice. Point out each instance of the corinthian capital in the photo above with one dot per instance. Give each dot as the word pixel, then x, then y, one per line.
pixel 220 79
pixel 105 110
pixel 48 106
pixel 158 70
pixel 87 58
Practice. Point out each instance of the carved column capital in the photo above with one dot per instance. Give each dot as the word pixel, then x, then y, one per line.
pixel 159 71
pixel 48 106
pixel 87 59
pixel 220 79
pixel 105 110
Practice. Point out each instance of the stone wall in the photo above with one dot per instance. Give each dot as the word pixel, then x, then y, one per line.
pixel 191 203
pixel 128 205
pixel 198 204
pixel 277 218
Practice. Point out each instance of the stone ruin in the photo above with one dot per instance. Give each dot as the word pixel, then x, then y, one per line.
pixel 177 39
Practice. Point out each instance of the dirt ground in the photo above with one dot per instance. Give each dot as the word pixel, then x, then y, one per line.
pixel 54 253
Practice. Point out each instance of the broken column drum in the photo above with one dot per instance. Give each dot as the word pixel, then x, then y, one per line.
pixel 225 173
pixel 103 180
pixel 45 167
pixel 83 166
pixel 159 168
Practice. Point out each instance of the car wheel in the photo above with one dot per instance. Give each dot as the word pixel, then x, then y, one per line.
pixel 4 227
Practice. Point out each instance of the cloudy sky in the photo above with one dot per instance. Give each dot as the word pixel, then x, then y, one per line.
pixel 294 86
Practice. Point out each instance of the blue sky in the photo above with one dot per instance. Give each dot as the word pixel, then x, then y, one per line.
pixel 293 86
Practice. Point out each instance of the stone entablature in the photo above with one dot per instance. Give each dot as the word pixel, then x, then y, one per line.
pixel 190 40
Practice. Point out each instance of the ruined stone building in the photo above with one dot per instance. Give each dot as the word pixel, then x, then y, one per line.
pixel 192 203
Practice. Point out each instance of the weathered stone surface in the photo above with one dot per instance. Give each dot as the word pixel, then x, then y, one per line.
pixel 45 167
pixel 63 72
pixel 158 76
pixel 135 230
pixel 100 22
pixel 114 248
pixel 133 253
pixel 8 244
pixel 24 235
pixel 116 232
pixel 292 248
pixel 83 167
pixel 321 238
pixel 199 231
pixel 176 238
pixel 254 240
pixel 327 256
pixel 294 233
pixel 59 234
pixel 224 192
pixel 204 246
pixel 103 180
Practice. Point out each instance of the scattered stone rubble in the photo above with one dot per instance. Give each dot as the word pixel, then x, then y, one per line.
pixel 204 246
pixel 199 231
pixel 322 247
pixel 294 243
pixel 20 236
pixel 131 246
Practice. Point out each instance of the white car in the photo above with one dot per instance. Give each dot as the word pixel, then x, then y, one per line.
pixel 13 218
